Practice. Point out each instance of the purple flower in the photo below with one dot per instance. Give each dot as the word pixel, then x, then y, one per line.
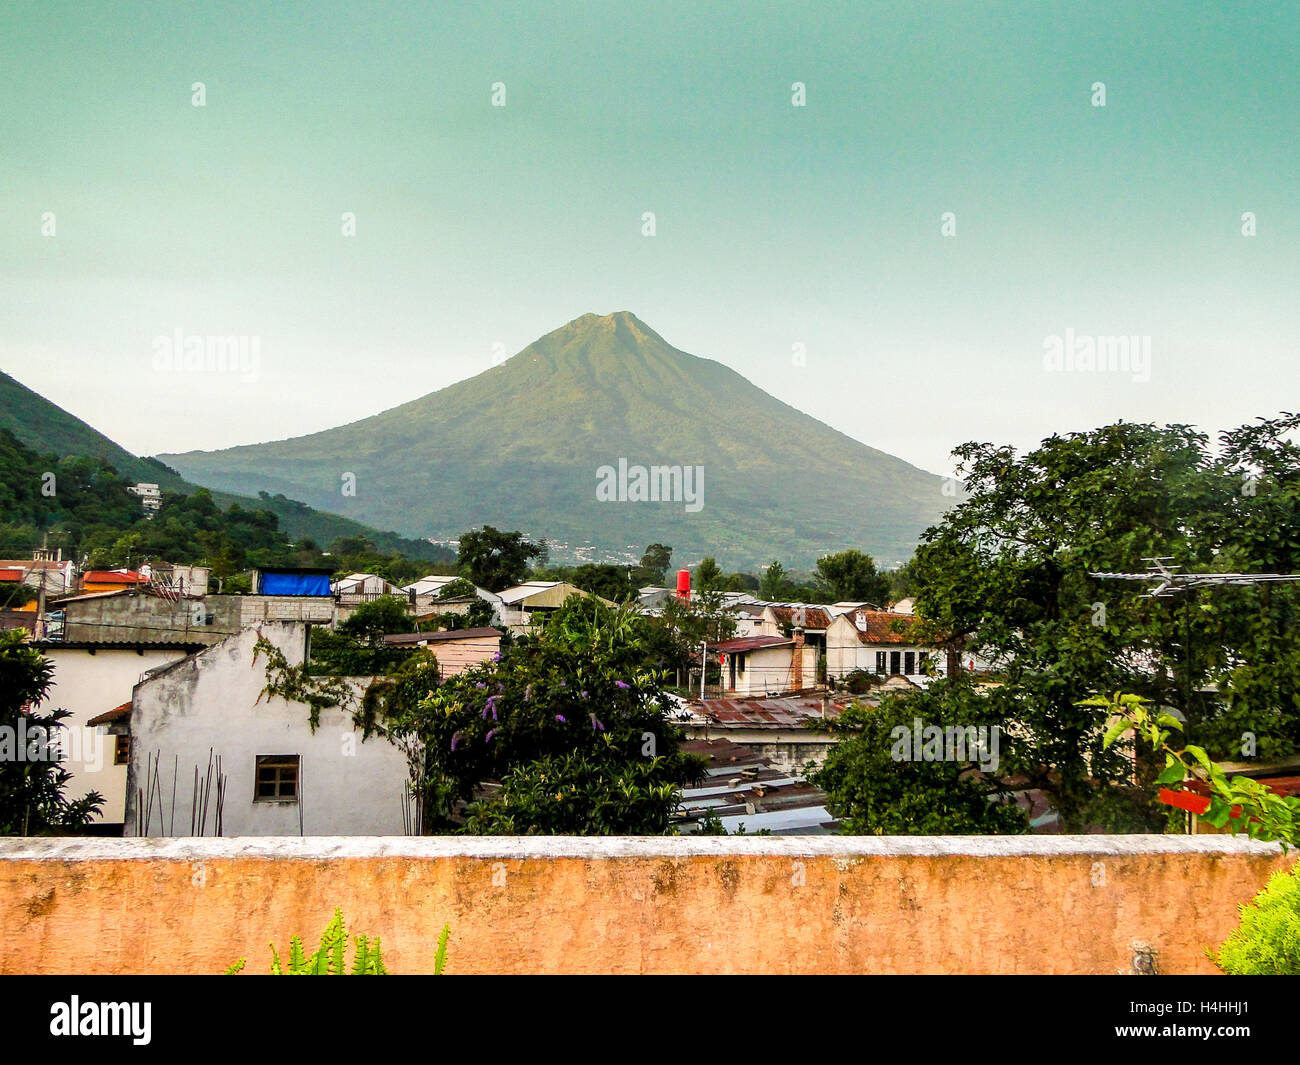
pixel 480 686
pixel 491 704
pixel 584 695
pixel 528 693
pixel 595 724
pixel 620 684
pixel 488 738
pixel 496 657
pixel 562 684
pixel 560 719
pixel 455 739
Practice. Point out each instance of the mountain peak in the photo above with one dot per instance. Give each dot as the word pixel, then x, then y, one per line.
pixel 520 447
pixel 619 322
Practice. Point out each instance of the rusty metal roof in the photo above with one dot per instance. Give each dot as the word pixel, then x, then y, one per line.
pixel 790 711
pixel 443 636
pixel 750 643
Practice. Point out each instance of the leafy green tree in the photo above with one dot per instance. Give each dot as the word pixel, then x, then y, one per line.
pixel 851 576
pixel 497 560
pixel 457 589
pixel 32 779
pixel 607 581
pixel 574 708
pixel 775 586
pixel 373 620
pixel 653 569
pixel 878 786
pixel 708 575
pixel 1008 576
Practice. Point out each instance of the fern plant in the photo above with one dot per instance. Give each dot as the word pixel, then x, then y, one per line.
pixel 1267 942
pixel 329 960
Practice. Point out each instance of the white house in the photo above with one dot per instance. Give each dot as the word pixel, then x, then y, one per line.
pixel 879 642
pixel 90 679
pixel 279 776
pixel 765 665
pixel 427 589
pixel 357 588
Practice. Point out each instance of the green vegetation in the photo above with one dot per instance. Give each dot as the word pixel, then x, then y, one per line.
pixel 82 505
pixel 851 576
pixel 571 724
pixel 32 780
pixel 1262 814
pixel 46 430
pixel 875 793
pixel 497 560
pixel 1008 577
pixel 329 958
pixel 1267 942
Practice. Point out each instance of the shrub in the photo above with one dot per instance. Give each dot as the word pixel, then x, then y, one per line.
pixel 1267 942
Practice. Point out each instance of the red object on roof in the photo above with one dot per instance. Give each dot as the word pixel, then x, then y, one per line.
pixel 1185 800
pixel 112 576
pixel 11 574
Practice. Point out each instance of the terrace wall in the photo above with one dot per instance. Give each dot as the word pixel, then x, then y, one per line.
pixel 1082 904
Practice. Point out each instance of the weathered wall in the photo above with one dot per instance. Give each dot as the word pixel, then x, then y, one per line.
pixel 205 620
pixel 214 702
pixel 664 905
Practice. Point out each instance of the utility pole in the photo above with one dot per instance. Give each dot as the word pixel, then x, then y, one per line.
pixel 704 666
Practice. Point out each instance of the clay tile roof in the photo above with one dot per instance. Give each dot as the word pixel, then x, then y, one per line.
pixel 814 617
pixel 108 576
pixel 879 626
pixel 109 716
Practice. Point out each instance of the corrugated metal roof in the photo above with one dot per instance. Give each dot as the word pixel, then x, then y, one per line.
pixel 742 787
pixel 784 712
pixel 750 643
pixel 442 637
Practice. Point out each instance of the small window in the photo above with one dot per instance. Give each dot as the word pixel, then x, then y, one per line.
pixel 121 750
pixel 880 662
pixel 895 663
pixel 277 778
pixel 909 663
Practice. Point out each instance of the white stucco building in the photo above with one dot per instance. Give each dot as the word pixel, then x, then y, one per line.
pixel 281 777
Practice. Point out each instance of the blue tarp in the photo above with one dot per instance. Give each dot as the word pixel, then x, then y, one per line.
pixel 294 584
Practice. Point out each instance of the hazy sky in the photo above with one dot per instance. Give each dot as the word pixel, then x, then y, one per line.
pixel 775 224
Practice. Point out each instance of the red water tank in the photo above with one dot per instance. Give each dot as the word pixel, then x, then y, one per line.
pixel 683 584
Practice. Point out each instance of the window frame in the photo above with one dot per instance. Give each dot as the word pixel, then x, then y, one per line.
pixel 279 763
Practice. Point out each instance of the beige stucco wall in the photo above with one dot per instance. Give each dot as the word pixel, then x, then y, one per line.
pixel 663 905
